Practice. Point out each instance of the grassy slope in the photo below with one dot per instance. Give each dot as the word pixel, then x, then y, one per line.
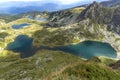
pixel 38 66
pixel 89 71
pixel 53 65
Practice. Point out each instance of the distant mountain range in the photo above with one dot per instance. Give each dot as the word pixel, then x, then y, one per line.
pixel 111 3
pixel 17 9
pixel 22 7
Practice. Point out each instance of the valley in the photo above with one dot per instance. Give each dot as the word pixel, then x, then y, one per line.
pixel 79 43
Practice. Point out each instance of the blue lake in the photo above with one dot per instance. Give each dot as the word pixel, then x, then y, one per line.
pixel 19 26
pixel 86 49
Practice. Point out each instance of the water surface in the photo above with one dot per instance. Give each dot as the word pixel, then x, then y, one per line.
pixel 88 49
pixel 18 26
pixel 85 49
pixel 22 44
pixel 40 19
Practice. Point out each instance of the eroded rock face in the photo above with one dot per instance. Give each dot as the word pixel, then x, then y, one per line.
pixel 114 25
pixel 64 17
pixel 61 18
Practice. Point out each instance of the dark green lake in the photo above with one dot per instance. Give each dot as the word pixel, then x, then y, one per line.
pixel 86 49
pixel 22 44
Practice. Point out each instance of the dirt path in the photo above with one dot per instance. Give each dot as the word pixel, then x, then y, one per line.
pixel 53 74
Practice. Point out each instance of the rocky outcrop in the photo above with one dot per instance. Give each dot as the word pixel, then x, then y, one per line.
pixel 61 18
pixel 115 65
pixel 64 17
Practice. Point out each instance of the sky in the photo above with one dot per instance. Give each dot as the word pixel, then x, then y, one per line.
pixel 62 2
pixel 20 6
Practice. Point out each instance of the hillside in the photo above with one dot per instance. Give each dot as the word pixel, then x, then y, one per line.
pixel 79 43
pixel 49 65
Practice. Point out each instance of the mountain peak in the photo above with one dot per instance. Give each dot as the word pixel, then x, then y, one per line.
pixel 91 11
pixel 94 4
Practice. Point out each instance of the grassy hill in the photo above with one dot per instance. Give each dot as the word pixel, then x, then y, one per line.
pixel 54 65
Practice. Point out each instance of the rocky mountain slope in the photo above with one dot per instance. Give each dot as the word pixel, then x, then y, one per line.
pixel 64 17
pixel 95 12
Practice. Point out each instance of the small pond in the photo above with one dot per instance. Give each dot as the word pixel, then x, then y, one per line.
pixel 37 18
pixel 19 26
pixel 40 19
